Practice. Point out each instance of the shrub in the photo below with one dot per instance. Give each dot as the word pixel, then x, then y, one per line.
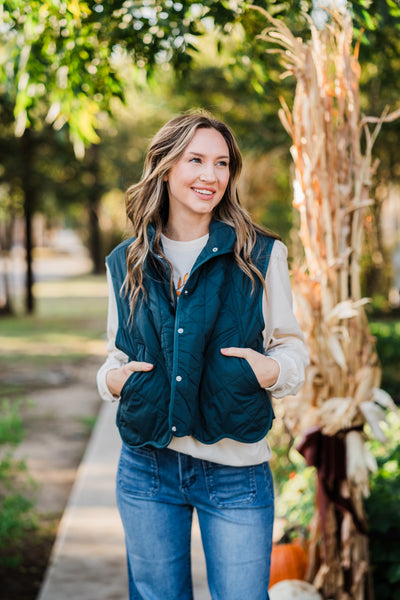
pixel 387 334
pixel 16 503
pixel 382 508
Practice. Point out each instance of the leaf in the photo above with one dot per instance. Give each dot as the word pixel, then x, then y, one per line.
pixel 368 20
pixel 336 351
pixel 393 573
pixel 257 86
pixel 374 415
pixel 74 8
pixel 359 461
pixel 384 399
pixel 343 310
pixel 337 413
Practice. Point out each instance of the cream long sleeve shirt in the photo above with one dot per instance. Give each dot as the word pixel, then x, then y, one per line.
pixel 283 342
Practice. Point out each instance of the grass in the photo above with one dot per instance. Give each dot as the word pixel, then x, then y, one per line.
pixel 68 325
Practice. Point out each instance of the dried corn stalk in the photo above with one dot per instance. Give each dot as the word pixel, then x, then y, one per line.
pixel 332 154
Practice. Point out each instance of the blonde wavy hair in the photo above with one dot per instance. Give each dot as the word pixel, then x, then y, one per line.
pixel 147 201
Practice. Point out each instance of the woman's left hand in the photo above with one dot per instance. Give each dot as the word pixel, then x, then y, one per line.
pixel 265 369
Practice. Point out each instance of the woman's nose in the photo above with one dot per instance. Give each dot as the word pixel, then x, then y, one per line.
pixel 208 173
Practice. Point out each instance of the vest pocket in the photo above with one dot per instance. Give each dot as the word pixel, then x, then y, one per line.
pixel 135 381
pixel 250 373
pixel 236 374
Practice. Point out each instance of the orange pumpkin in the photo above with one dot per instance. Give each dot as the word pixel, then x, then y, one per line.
pixel 288 561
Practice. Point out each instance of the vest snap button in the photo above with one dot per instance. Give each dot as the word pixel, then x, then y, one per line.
pixel 215 249
pixel 173 428
pixel 180 330
pixel 179 378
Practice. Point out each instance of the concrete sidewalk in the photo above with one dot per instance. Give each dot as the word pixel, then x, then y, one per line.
pixel 88 558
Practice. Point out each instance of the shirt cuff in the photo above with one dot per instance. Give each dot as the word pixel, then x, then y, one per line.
pixel 291 375
pixel 277 383
pixel 102 387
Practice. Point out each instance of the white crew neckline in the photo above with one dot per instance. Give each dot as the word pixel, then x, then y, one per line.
pixel 179 246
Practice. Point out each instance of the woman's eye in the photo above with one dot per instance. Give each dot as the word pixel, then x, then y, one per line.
pixel 197 160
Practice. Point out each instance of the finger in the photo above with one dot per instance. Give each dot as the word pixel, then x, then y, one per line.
pixel 239 352
pixel 139 366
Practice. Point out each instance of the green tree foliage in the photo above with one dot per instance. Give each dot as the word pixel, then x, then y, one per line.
pixel 377 26
pixel 61 58
pixel 60 65
pixel 380 87
pixel 64 62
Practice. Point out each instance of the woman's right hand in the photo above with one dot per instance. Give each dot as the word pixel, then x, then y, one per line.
pixel 116 378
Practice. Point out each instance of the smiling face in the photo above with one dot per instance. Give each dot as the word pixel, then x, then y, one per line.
pixel 197 182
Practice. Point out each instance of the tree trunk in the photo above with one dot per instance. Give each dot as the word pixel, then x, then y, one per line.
pixel 94 199
pixel 29 192
pixel 6 237
pixel 6 307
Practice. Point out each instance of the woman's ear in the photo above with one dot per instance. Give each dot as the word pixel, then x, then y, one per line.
pixel 165 178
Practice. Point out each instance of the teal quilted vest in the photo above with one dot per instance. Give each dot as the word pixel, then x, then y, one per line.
pixel 193 389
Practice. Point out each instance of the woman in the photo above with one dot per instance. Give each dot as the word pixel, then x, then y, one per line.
pixel 201 333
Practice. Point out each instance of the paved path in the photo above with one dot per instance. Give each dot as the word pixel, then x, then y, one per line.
pixel 88 559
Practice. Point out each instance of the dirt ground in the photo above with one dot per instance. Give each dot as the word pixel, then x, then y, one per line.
pixel 58 417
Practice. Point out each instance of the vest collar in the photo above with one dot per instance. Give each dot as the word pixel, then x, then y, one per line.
pixel 221 240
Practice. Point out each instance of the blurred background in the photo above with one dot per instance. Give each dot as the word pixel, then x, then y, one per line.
pixel 83 88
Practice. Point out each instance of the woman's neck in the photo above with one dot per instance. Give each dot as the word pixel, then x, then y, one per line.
pixel 185 231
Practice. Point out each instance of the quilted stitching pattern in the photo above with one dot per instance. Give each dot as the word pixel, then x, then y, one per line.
pixel 194 389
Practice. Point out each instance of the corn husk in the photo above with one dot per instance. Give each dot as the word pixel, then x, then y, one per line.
pixel 333 170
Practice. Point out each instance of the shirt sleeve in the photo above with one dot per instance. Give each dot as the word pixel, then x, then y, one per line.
pixel 283 338
pixel 115 358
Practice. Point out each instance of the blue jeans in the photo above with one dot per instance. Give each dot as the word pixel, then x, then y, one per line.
pixel 156 493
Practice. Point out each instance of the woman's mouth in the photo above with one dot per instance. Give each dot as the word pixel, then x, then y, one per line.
pixel 206 193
